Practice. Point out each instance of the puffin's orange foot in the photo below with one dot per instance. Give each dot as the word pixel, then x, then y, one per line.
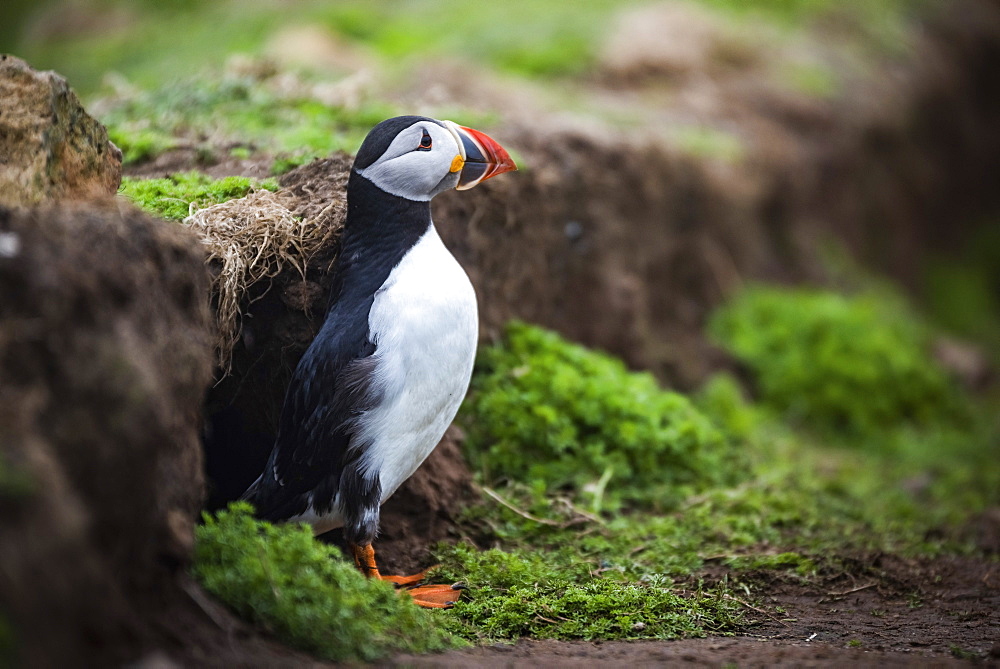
pixel 407 580
pixel 428 596
pixel 436 596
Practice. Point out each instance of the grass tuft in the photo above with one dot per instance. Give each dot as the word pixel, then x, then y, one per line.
pixel 303 592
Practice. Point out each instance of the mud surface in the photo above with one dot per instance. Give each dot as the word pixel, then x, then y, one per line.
pixel 99 408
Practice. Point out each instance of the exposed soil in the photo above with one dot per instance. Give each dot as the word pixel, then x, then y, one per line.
pixel 716 652
pixel 943 606
pixel 889 612
pixel 99 409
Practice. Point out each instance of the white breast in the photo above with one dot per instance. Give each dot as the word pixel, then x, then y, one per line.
pixel 425 325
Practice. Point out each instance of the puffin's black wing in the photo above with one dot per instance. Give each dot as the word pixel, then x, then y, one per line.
pixel 330 389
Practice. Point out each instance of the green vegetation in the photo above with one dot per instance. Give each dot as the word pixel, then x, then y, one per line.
pixel 559 417
pixel 549 39
pixel 813 79
pixel 963 654
pixel 857 364
pixel 173 196
pixel 961 289
pixel 522 594
pixel 798 11
pixel 243 112
pixel 304 593
pixel 140 145
pixel 705 142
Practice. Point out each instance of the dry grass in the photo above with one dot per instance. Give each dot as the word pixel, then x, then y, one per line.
pixel 255 238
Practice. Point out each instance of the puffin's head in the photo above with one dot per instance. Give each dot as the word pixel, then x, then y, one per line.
pixel 416 157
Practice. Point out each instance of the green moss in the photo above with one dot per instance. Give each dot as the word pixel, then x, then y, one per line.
pixel 551 39
pixel 780 499
pixel 560 417
pixel 780 562
pixel 140 145
pixel 963 654
pixel 960 287
pixel 304 593
pixel 853 364
pixel 722 399
pixel 528 594
pixel 283 164
pixel 813 79
pixel 173 196
pixel 704 142
pixel 788 489
pixel 214 109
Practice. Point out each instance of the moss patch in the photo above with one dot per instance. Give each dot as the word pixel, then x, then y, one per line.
pixel 856 364
pixel 524 594
pixel 226 111
pixel 176 196
pixel 304 593
pixel 557 416
pixel 960 288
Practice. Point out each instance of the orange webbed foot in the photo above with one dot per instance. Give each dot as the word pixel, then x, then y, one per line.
pixel 436 596
pixel 413 579
pixel 427 596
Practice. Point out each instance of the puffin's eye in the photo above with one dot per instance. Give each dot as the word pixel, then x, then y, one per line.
pixel 425 142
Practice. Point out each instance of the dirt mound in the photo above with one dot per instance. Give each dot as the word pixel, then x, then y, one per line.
pixel 104 354
pixel 52 149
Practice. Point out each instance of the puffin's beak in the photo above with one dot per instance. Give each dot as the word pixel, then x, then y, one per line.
pixel 484 158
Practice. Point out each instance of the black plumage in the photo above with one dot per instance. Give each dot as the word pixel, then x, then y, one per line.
pixel 311 461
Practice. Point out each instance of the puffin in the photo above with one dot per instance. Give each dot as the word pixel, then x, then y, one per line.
pixel 384 377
